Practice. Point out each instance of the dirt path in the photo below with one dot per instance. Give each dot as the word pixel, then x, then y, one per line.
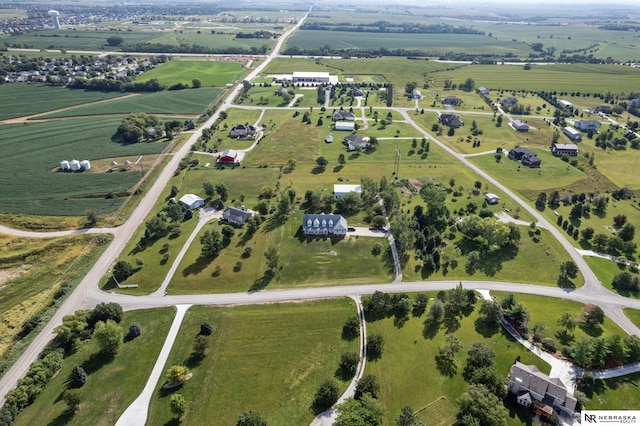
pixel 25 118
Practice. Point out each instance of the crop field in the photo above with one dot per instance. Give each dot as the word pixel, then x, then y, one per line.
pixel 584 78
pixel 182 102
pixel 34 151
pixel 210 73
pixel 432 44
pixel 26 99
pixel 268 358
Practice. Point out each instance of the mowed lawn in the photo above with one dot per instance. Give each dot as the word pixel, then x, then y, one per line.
pixel 606 270
pixel 407 370
pixel 112 384
pixel 26 99
pixel 209 72
pixel 633 315
pixel 32 183
pixel 304 262
pixel 268 358
pixel 185 102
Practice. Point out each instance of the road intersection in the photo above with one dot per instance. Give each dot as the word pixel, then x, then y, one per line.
pixel 87 294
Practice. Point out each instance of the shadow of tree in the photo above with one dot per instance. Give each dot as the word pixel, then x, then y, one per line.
pixel 262 282
pixel 430 329
pixel 591 330
pixel 565 282
pixel 486 328
pixel 96 361
pixel 198 266
pixel 63 418
pixel 446 366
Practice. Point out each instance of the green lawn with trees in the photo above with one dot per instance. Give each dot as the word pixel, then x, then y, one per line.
pixel 112 382
pixel 274 356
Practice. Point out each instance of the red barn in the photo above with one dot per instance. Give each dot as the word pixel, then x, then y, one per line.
pixel 229 156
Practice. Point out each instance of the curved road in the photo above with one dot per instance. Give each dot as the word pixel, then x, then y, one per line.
pixel 87 294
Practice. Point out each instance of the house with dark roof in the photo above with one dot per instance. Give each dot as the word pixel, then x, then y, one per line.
pixel 324 224
pixel 280 91
pixel 634 103
pixel 236 215
pixel 354 142
pixel 602 109
pixel 587 125
pixel 526 157
pixel 450 120
pixel 451 100
pixel 529 385
pixel 483 90
pixel 508 102
pixel 340 115
pixel 242 131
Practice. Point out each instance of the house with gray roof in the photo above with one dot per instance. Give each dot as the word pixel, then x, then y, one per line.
pixel 242 131
pixel 587 125
pixel 529 384
pixel 450 120
pixel 324 224
pixel 451 100
pixel 339 115
pixel 236 215
pixel 508 102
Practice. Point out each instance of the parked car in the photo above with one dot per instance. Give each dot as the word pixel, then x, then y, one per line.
pixel 351 229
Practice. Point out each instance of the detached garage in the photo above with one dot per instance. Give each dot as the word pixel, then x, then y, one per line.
pixel 347 126
pixel 191 201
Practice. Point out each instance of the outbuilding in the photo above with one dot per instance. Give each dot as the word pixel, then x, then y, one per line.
pixel 229 156
pixel 191 201
pixel 491 198
pixel 347 126
pixel 340 190
pixel 572 134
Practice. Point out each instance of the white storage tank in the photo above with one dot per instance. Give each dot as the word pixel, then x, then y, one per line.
pixel 64 165
pixel 74 165
pixel 85 164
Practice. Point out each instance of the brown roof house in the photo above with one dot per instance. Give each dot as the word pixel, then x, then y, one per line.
pixel 530 386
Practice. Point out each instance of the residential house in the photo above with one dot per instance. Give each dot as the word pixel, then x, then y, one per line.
pixel 451 100
pixel 242 131
pixel 354 142
pixel 526 157
pixel 191 201
pixel 357 92
pixel 339 115
pixel 634 103
pixel 416 94
pixel 509 102
pixel 520 126
pixel 340 190
pixel 348 126
pixel 229 156
pixel 572 134
pixel 603 109
pixel 324 224
pixel 483 90
pixel 450 120
pixel 236 215
pixel 280 91
pixel 587 125
pixel 529 385
pixel 491 198
pixel 559 149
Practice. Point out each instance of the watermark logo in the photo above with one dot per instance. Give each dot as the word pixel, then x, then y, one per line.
pixel 618 417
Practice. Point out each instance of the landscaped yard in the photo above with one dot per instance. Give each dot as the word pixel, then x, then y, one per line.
pixel 268 358
pixel 112 384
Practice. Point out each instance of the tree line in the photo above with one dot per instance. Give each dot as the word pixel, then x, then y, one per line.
pixel 387 27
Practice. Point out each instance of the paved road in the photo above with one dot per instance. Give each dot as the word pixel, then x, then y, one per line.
pixel 80 297
pixel 87 294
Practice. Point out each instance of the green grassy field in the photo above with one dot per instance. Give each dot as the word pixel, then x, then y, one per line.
pixel 584 78
pixel 633 315
pixel 112 384
pixel 183 102
pixel 210 73
pixel 269 358
pixel 407 371
pixel 34 150
pixel 304 262
pixel 606 270
pixel 25 99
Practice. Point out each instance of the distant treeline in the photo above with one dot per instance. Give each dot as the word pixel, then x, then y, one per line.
pixel 387 27
pixel 194 48
pixel 108 85
pixel 620 27
pixel 257 34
